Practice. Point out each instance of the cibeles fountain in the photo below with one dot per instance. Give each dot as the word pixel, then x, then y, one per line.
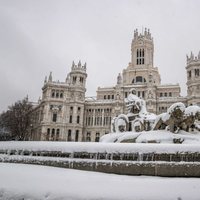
pixel 180 124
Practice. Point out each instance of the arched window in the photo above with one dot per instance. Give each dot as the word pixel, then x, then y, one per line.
pixel 57 94
pixel 53 93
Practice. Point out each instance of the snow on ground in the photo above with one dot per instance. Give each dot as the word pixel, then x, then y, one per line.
pixel 29 182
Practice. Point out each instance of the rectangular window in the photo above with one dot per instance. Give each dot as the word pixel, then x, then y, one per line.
pixel 53 134
pixel 140 57
pixel 76 136
pixel 170 94
pixel 97 137
pixel 143 94
pixel 78 119
pixel 57 134
pixel 69 135
pixel 196 72
pixel 48 134
pixel 54 117
pixel 189 74
pixel 70 119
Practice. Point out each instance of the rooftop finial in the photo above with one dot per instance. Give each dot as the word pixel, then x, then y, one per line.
pixel 79 63
pixel 191 56
pixel 84 66
pixel 73 64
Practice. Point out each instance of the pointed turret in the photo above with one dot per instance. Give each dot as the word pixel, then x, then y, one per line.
pixel 84 66
pixel 191 56
pixel 50 77
pixel 73 65
pixel 79 64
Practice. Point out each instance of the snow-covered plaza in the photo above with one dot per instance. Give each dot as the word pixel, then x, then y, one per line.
pixel 30 182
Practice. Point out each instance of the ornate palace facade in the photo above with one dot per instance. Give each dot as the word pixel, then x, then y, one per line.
pixel 64 113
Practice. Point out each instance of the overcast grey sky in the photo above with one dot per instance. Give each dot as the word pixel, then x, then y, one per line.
pixel 39 36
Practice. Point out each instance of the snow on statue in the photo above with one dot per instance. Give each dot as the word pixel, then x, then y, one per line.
pixel 178 118
pixel 137 119
pixel 176 122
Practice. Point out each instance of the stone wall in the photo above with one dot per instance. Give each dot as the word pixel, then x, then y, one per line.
pixel 123 167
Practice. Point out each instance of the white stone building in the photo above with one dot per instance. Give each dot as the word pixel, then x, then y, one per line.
pixel 65 114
